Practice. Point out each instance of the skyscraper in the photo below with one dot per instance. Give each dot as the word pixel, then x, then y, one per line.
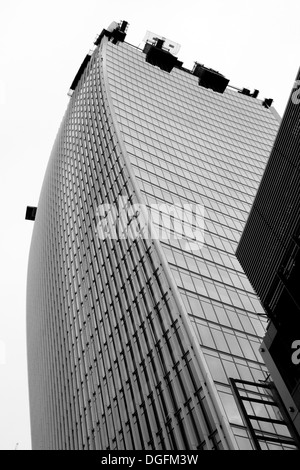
pixel 138 311
pixel 269 252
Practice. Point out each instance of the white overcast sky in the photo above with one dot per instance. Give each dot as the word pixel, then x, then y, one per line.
pixel 254 43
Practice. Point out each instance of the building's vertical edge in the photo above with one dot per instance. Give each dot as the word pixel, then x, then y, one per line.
pixel 40 354
pixel 209 388
pixel 269 253
pixel 275 113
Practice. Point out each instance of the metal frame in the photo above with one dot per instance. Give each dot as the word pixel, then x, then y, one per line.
pixel 257 434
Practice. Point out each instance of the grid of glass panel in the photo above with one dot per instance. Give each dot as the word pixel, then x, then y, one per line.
pixel 111 360
pixel 190 144
pixel 111 364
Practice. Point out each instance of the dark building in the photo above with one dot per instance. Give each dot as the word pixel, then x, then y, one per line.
pixel 269 252
pixel 138 312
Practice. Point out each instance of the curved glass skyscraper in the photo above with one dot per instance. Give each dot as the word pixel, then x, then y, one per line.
pixel 138 311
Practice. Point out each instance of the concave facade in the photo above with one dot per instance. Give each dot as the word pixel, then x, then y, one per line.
pixel 131 340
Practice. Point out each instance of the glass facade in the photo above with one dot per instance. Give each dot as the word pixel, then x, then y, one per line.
pixel 269 251
pixel 131 339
